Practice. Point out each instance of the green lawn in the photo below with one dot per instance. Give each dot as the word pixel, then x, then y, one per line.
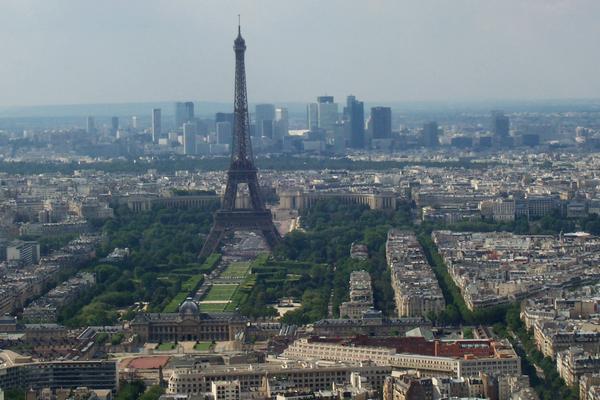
pixel 220 292
pixel 236 269
pixel 166 346
pixel 173 305
pixel 203 346
pixel 191 283
pixel 212 307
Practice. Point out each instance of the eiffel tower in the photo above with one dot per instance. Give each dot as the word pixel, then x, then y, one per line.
pixel 241 170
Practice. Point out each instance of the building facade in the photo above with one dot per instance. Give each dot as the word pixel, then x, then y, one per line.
pixel 189 324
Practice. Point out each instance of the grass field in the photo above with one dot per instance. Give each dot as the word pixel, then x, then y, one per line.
pixel 203 346
pixel 191 283
pixel 173 305
pixel 212 307
pixel 220 292
pixel 166 346
pixel 236 269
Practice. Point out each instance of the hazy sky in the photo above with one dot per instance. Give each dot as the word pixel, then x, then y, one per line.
pixel 97 51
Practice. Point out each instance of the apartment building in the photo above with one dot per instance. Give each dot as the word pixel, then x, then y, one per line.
pixel 416 289
pixel 23 252
pixel 571 364
pixel 225 390
pixel 361 296
pixel 18 372
pixel 451 358
pixel 311 376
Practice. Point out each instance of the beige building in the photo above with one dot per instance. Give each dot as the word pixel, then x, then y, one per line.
pixel 361 296
pixel 309 376
pixel 299 199
pixel 503 359
pixel 225 390
pixel 189 324
pixel 573 363
pixel 416 289
pixel 552 337
pixel 589 387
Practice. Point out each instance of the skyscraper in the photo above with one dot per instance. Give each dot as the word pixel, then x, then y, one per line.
pixel 356 119
pixel 189 110
pixel 325 99
pixel 189 138
pixel 156 124
pixel 327 113
pixel 312 116
pixel 224 117
pixel 134 122
pixel 90 125
pixel 264 113
pixel 184 112
pixel 114 125
pixel 267 128
pixel 282 123
pixel 223 130
pixel 381 122
pixel 431 132
pixel 501 128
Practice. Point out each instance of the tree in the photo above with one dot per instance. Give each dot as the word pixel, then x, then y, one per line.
pixel 15 394
pixel 153 393
pixel 130 390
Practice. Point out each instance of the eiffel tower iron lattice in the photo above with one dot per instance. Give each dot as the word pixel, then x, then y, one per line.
pixel 241 170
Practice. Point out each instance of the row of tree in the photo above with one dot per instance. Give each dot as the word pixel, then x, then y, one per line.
pixel 549 384
pixel 173 163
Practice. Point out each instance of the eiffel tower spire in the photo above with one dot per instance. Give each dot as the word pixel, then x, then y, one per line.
pixel 242 147
pixel 241 170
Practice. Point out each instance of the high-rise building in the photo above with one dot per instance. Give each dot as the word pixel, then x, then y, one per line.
pixel 156 124
pixel 282 123
pixel 325 99
pixel 134 122
pixel 312 116
pixel 267 128
pixel 114 125
pixel 327 113
pixel 224 117
pixel 501 128
pixel 90 125
pixel 223 130
pixel 184 112
pixel 431 133
pixel 355 113
pixel 264 113
pixel 381 122
pixel 500 123
pixel 190 130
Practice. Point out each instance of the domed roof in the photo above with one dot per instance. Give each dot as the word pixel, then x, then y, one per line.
pixel 188 307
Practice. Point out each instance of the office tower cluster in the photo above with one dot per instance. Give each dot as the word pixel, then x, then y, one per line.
pixel 271 126
pixel 347 130
pixel 187 133
pixel 328 127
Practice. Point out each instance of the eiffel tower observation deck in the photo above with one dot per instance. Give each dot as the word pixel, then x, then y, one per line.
pixel 241 171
